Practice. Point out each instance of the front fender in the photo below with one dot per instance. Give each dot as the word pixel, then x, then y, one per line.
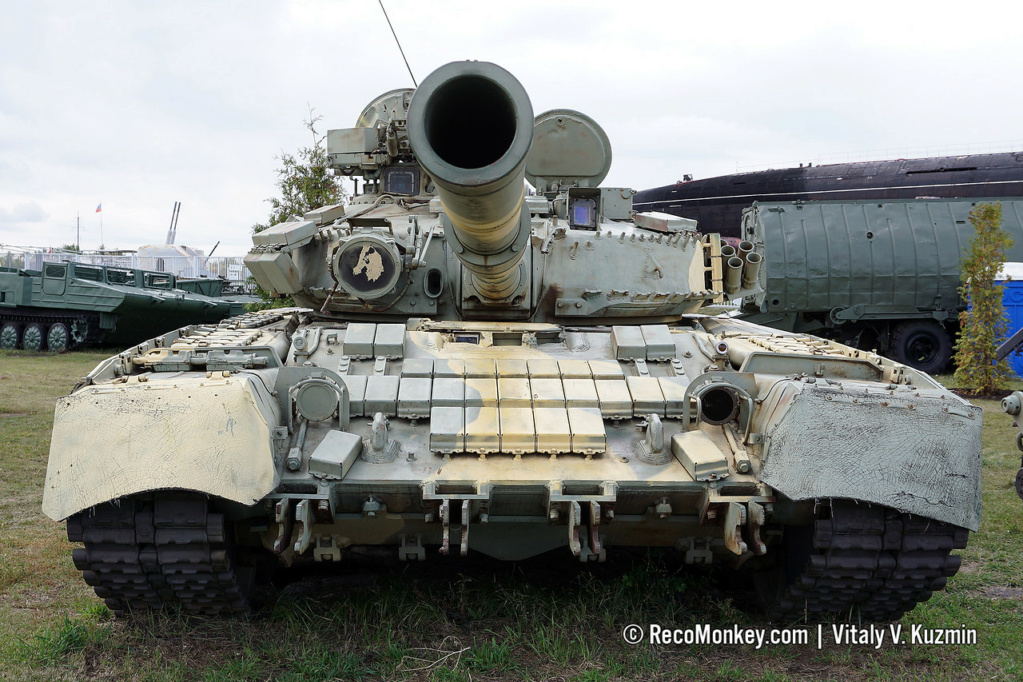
pixel 916 451
pixel 177 431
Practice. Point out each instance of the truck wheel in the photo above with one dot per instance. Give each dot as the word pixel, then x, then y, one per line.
pixel 10 335
pixel 921 344
pixel 32 337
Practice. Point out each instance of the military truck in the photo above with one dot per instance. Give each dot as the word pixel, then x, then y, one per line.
pixel 70 304
pixel 876 275
pixel 478 369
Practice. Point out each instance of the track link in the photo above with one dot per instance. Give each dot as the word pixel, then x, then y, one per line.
pixel 870 560
pixel 166 549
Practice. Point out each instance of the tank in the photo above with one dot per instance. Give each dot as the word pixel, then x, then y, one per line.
pixel 67 304
pixel 877 274
pixel 477 368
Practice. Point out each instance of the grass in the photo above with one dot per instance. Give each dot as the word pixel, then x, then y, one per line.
pixel 458 620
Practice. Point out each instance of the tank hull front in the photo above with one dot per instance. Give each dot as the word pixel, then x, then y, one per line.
pixel 716 438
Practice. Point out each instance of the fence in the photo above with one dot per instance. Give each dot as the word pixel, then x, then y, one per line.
pixel 231 268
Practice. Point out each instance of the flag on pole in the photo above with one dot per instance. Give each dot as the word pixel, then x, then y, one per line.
pixel 100 207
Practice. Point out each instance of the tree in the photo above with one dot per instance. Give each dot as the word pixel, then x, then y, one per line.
pixel 306 182
pixel 983 324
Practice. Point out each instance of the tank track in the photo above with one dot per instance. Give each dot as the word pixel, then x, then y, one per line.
pixel 166 549
pixel 870 560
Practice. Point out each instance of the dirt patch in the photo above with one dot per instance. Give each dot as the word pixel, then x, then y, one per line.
pixel 997 592
pixel 969 567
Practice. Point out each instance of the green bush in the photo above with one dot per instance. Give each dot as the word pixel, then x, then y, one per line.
pixel 983 326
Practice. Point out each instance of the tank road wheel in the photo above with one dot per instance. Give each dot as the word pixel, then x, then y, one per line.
pixel 32 337
pixel 58 339
pixel 861 561
pixel 170 549
pixel 922 344
pixel 10 335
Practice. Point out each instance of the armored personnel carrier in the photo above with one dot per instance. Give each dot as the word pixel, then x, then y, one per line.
pixel 65 305
pixel 478 368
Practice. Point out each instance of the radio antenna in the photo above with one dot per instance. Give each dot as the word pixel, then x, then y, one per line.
pixel 399 43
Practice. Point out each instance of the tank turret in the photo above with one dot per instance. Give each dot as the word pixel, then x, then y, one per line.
pixel 447 226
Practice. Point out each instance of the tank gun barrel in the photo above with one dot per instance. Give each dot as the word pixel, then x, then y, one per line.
pixel 470 125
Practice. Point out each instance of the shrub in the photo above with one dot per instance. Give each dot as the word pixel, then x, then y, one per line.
pixel 983 325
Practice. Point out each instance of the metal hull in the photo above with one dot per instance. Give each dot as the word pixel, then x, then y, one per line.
pixel 717 203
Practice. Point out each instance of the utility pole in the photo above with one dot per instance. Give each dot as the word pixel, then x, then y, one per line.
pixel 173 231
pixel 78 234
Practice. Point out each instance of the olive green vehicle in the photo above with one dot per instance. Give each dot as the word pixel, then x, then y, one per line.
pixel 878 275
pixel 474 368
pixel 70 304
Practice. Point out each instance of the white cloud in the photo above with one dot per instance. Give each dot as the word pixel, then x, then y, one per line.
pixel 28 212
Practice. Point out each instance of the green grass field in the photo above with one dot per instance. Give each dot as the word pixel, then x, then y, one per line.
pixel 458 620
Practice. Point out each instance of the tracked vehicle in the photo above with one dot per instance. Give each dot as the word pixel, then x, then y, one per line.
pixel 66 305
pixel 475 368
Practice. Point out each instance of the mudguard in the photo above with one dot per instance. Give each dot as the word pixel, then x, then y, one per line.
pixel 207 433
pixel 823 441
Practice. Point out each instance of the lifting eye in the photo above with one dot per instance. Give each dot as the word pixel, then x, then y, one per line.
pixel 719 406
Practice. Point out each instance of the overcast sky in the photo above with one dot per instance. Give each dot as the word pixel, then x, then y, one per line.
pixel 138 105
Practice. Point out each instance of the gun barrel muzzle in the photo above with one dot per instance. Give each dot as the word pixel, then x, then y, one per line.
pixel 470 125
